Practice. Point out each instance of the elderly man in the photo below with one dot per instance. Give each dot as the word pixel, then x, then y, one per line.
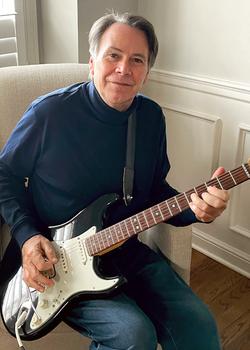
pixel 71 145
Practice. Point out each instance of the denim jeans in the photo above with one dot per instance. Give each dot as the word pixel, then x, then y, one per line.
pixel 154 306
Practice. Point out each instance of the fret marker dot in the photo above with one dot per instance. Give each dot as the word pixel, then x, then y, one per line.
pixel 173 205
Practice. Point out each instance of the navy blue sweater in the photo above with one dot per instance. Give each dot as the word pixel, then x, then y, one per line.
pixel 72 146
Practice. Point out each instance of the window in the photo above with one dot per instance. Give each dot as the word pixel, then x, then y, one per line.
pixel 8 46
pixel 7 7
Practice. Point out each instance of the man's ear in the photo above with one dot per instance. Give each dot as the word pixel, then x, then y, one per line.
pixel 91 66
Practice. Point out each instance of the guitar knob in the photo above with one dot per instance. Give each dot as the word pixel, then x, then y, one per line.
pixel 43 303
pixel 36 321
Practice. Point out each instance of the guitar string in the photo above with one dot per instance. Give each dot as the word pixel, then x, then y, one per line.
pixel 225 179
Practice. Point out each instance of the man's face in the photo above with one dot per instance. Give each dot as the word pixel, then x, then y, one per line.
pixel 121 66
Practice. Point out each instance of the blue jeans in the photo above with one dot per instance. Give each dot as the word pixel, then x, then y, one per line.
pixel 155 306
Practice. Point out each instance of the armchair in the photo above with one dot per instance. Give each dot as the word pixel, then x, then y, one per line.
pixel 18 87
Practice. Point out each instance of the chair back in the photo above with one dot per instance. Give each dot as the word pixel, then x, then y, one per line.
pixel 20 85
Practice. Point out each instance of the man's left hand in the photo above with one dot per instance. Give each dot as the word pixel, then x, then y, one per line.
pixel 211 203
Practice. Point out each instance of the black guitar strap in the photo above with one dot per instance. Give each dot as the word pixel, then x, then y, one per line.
pixel 128 173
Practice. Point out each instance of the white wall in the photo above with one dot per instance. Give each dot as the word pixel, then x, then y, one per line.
pixel 58 31
pixel 202 82
pixel 64 26
pixel 202 37
pixel 91 10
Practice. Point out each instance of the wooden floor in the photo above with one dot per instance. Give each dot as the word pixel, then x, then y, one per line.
pixel 227 293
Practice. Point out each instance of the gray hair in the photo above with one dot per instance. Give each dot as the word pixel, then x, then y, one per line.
pixel 138 22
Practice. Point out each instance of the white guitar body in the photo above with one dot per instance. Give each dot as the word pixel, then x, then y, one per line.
pixel 74 275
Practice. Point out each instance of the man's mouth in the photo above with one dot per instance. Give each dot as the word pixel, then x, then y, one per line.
pixel 121 83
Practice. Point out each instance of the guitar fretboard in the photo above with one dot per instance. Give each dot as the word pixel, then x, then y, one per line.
pixel 110 237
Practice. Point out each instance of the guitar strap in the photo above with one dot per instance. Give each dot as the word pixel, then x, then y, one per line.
pixel 128 172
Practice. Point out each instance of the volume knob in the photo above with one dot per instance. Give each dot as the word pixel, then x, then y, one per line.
pixel 43 303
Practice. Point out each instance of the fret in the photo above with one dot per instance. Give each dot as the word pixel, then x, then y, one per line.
pixel 173 206
pixel 218 180
pixel 189 193
pixel 119 231
pixel 158 206
pixel 156 214
pixel 164 210
pixel 152 213
pixel 177 203
pixel 110 236
pixel 182 200
pixel 187 198
pixel 169 208
pixel 226 181
pixel 232 177
pixel 127 228
pixel 114 233
pixel 135 224
pixel 142 221
pixel 123 231
pixel 206 185
pixel 146 220
pixel 239 175
pixel 96 244
pixel 150 217
pixel 100 239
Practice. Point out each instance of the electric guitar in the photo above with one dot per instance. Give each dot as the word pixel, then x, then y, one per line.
pixel 78 244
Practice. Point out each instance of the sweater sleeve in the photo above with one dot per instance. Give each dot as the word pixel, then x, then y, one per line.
pixel 17 161
pixel 162 190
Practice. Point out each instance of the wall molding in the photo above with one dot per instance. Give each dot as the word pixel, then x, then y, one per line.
pixel 244 129
pixel 214 120
pixel 222 88
pixel 222 252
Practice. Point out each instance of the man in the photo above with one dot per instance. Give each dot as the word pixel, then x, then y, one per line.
pixel 71 145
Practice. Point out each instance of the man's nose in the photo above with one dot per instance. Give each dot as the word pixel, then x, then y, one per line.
pixel 123 67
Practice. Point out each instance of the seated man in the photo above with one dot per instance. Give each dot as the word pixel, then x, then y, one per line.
pixel 71 145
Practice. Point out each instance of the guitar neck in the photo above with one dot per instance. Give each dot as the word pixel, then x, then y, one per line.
pixel 111 237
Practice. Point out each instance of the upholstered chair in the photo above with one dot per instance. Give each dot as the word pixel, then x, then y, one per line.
pixel 18 87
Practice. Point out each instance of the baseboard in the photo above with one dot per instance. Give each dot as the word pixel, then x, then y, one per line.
pixel 221 252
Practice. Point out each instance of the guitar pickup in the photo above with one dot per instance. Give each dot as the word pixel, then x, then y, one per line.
pixel 63 259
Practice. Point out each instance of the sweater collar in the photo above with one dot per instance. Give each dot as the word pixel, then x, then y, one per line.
pixel 104 112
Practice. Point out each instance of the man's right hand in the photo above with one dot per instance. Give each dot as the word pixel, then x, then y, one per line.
pixel 38 255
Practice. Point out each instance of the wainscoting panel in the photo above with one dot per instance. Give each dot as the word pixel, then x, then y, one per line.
pixel 193 138
pixel 208 124
pixel 240 218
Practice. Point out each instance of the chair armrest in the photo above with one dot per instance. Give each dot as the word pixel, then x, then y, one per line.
pixel 175 243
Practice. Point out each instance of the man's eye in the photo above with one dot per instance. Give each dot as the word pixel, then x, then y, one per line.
pixel 138 60
pixel 113 55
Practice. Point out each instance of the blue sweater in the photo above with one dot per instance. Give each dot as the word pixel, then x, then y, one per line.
pixel 72 146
